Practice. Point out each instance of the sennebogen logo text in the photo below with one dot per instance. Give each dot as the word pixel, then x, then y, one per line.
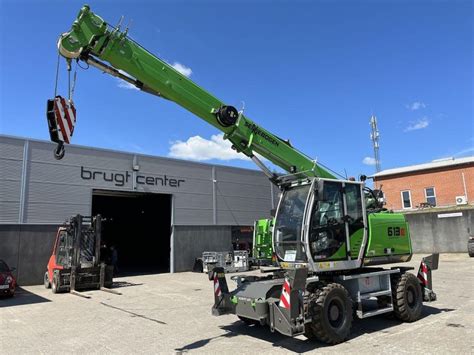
pixel 122 179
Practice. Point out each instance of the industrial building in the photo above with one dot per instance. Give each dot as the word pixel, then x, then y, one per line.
pixel 441 183
pixel 162 213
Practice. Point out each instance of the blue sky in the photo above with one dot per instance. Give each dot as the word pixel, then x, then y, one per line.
pixel 311 71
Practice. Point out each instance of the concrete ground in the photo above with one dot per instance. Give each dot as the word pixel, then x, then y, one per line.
pixel 171 314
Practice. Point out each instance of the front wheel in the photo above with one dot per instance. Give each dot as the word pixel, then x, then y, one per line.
pixel 407 297
pixel 331 313
pixel 46 282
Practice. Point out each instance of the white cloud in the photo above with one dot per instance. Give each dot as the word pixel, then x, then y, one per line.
pixel 368 161
pixel 182 69
pixel 419 124
pixel 200 149
pixel 124 84
pixel 416 105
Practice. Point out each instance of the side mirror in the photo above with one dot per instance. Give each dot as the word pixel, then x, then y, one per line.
pixel 12 269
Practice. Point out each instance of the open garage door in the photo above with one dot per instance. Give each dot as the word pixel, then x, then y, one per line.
pixel 138 226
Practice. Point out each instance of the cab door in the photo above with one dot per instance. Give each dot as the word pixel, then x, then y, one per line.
pixel 336 227
pixel 328 229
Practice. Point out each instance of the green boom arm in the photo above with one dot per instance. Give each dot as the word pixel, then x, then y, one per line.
pixel 93 41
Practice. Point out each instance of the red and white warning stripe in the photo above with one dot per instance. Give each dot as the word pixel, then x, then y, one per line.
pixel 65 113
pixel 423 274
pixel 285 294
pixel 217 287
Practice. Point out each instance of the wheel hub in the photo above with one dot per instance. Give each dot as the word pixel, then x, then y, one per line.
pixel 336 313
pixel 411 297
pixel 333 313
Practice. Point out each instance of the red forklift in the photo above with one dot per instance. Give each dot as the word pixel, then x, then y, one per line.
pixel 76 263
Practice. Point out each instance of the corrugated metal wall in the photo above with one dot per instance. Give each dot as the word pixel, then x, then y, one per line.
pixel 53 190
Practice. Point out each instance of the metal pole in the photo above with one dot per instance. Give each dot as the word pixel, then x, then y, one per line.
pixel 214 197
pixel 172 237
pixel 24 171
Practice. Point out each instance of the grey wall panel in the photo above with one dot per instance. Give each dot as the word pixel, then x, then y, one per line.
pixel 50 192
pixel 10 187
pixel 28 248
pixel 9 244
pixel 195 216
pixel 10 191
pixel 429 233
pixel 243 190
pixel 174 167
pixel 10 169
pixel 243 204
pixel 77 156
pixel 193 201
pixel 54 212
pixel 241 218
pixel 243 176
pixel 9 212
pixel 11 148
pixel 35 248
pixel 191 241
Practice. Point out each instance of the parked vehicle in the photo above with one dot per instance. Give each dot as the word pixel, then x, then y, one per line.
pixel 7 280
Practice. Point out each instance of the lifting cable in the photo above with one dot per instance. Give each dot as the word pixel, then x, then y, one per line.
pixel 57 77
pixel 74 79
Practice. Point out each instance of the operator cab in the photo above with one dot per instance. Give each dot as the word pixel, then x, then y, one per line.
pixel 321 222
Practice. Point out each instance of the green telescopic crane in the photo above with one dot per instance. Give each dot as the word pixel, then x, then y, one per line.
pixel 327 232
pixel 109 49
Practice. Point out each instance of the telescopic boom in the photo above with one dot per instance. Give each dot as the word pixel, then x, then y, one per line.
pixel 92 40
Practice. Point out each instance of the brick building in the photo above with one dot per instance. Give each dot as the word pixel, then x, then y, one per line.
pixel 441 183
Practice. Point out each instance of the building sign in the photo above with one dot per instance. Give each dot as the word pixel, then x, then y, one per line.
pixel 122 179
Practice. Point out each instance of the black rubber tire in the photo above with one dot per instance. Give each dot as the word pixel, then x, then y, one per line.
pixel 308 331
pixel 46 282
pixel 470 249
pixel 331 313
pixel 407 297
pixel 55 284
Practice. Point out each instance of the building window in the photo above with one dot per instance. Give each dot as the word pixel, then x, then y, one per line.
pixel 406 199
pixel 430 196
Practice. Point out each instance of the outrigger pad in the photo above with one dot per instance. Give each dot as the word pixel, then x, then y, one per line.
pixel 61 115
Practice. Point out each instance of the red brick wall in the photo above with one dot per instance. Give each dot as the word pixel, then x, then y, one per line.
pixel 448 184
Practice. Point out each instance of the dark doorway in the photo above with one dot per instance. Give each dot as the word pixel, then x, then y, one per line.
pixel 139 227
pixel 242 238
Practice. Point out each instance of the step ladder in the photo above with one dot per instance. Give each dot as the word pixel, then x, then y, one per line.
pixel 371 286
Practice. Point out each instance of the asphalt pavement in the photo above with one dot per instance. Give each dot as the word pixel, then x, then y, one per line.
pixel 171 313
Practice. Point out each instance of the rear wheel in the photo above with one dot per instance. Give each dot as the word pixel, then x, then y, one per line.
pixel 46 282
pixel 407 297
pixel 331 313
pixel 55 284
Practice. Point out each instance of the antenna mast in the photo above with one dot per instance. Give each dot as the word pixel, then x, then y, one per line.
pixel 374 136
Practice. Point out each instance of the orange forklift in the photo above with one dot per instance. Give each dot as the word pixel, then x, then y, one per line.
pixel 75 263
